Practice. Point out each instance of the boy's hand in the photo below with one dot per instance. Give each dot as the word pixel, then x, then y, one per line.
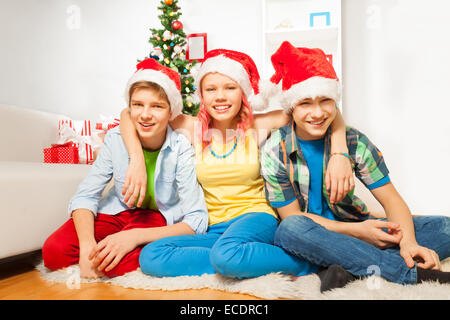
pixel 339 178
pixel 371 232
pixel 109 252
pixel 135 182
pixel 426 258
pixel 87 268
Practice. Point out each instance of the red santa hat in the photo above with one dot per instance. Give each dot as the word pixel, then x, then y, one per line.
pixel 150 70
pixel 305 73
pixel 239 67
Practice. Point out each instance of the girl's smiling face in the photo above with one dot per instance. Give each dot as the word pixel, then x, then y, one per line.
pixel 222 97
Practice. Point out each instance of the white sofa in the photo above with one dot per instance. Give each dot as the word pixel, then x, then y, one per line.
pixel 34 195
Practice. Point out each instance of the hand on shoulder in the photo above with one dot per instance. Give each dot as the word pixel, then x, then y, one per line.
pixel 184 124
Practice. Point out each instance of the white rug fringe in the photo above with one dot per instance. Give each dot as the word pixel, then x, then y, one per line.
pixel 271 286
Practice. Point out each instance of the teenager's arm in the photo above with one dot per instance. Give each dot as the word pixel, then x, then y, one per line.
pixel 83 220
pixel 398 212
pixel 184 124
pixel 147 235
pixel 339 175
pixel 136 178
pixel 111 250
pixel 264 123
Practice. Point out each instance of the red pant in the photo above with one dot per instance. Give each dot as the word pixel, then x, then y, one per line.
pixel 62 249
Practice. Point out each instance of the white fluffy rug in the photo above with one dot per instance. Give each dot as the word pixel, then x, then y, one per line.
pixel 271 286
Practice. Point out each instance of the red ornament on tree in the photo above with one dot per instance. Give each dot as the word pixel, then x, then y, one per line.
pixel 168 2
pixel 176 25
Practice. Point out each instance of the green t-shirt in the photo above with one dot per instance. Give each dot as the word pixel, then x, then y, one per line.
pixel 150 165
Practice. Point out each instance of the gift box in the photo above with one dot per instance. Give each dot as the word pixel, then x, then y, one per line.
pixel 62 153
pixel 79 132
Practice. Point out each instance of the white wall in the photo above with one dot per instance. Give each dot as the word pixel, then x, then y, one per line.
pixel 82 72
pixel 396 68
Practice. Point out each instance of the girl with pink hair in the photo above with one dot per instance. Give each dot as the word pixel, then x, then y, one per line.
pixel 226 136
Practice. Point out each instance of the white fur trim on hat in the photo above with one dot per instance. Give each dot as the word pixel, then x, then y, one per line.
pixel 228 67
pixel 311 88
pixel 158 77
pixel 267 90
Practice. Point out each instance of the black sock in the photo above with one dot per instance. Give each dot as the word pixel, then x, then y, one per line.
pixel 432 275
pixel 334 277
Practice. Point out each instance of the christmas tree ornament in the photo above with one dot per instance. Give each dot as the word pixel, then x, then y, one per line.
pixel 167 34
pixel 176 25
pixel 187 82
pixel 166 60
pixel 168 2
pixel 177 49
pixel 157 51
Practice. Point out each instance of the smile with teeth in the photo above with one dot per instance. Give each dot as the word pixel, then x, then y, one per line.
pixel 317 123
pixel 222 107
pixel 147 125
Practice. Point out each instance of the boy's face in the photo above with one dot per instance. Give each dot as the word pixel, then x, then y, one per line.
pixel 150 115
pixel 313 117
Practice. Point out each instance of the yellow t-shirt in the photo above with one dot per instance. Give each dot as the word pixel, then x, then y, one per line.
pixel 233 185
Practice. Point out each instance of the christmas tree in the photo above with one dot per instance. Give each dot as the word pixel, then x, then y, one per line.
pixel 169 49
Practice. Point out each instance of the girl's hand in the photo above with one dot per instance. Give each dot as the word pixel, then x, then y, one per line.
pixel 426 258
pixel 371 232
pixel 135 182
pixel 339 178
pixel 110 251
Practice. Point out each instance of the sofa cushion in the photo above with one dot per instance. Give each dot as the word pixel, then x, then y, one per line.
pixel 35 198
pixel 26 132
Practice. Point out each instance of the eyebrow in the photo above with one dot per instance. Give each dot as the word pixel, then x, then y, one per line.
pixel 154 102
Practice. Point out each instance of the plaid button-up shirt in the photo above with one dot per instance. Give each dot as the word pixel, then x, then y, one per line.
pixel 286 173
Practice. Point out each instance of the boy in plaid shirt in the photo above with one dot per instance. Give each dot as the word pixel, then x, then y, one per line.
pixel 342 238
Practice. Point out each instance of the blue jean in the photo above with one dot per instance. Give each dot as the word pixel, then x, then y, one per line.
pixel 239 248
pixel 302 237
